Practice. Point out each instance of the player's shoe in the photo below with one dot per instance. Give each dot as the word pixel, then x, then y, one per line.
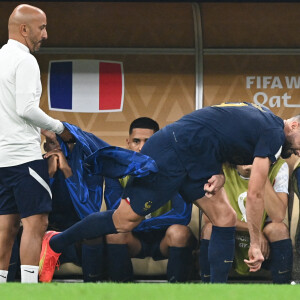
pixel 48 258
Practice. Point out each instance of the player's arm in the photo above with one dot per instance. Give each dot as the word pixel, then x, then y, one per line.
pixel 255 197
pixel 52 165
pixel 62 162
pixel 255 209
pixel 27 105
pixel 264 244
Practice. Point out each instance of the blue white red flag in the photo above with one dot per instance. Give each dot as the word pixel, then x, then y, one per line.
pixel 86 86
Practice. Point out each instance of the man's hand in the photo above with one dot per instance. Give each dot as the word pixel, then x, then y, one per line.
pixel 255 209
pixel 214 184
pixel 255 258
pixel 67 136
pixel 264 246
pixel 49 134
pixel 62 163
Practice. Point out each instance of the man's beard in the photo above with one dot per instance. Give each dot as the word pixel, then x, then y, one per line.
pixel 36 45
pixel 287 150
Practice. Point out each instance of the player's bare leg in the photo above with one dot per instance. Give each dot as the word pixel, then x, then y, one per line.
pixel 9 226
pixel 34 228
pixel 124 218
pixel 221 245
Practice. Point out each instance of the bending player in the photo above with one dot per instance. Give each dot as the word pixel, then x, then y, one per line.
pixel 189 155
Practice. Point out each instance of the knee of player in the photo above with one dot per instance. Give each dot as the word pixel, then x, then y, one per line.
pixel 179 235
pixel 118 238
pixel 226 219
pixel 276 231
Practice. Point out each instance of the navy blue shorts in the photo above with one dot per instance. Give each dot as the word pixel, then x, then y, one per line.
pixel 24 189
pixel 182 168
pixel 150 243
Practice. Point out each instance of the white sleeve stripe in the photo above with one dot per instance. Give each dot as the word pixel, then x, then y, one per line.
pixel 278 152
pixel 40 180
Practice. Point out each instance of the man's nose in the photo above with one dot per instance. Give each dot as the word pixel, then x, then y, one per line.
pixel 45 34
pixel 141 145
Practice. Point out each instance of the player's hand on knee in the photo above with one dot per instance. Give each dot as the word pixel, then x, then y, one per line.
pixel 214 184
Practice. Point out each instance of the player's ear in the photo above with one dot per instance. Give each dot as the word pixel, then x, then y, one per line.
pixel 294 125
pixel 23 30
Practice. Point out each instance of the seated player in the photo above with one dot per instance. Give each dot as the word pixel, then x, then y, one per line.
pixel 73 198
pixel 163 234
pixel 275 241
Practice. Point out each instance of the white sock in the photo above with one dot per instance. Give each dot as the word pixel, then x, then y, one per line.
pixel 29 274
pixel 3 276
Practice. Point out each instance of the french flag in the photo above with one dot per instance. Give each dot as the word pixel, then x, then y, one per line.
pixel 86 86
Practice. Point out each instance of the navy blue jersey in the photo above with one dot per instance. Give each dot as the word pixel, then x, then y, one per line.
pixel 176 211
pixel 191 150
pixel 239 131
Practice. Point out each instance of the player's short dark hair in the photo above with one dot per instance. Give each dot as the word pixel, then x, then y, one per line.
pixel 144 122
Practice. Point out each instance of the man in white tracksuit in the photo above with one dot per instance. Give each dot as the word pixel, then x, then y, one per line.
pixel 24 190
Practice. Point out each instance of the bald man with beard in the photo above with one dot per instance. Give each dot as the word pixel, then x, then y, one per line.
pixel 24 192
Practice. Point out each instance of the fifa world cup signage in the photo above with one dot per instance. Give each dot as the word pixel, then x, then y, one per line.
pixel 283 86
